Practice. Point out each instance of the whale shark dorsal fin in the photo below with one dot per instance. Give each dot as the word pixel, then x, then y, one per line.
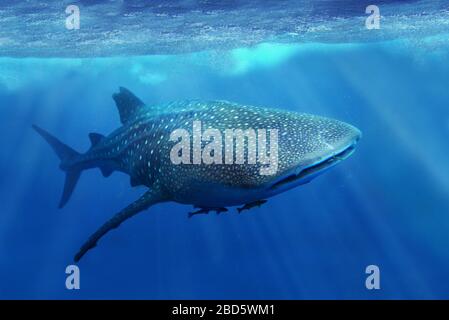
pixel 127 103
pixel 95 138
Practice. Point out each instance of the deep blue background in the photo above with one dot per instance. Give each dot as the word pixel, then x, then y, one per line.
pixel 386 205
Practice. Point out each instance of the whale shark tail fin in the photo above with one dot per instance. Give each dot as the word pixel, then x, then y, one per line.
pixel 71 179
pixel 66 155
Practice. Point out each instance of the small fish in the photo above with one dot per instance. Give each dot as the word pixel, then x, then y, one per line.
pixel 251 205
pixel 207 210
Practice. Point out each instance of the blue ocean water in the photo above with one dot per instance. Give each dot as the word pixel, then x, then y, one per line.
pixel 387 205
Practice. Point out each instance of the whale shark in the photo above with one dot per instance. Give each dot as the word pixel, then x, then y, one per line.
pixel 306 146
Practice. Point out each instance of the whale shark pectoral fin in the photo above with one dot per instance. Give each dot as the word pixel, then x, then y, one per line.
pixel 127 104
pixel 149 198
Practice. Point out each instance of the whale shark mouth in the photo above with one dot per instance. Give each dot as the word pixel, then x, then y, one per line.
pixel 315 168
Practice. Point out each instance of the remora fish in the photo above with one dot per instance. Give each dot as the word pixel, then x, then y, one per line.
pixel 307 146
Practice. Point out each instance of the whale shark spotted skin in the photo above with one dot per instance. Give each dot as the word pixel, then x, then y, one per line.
pixel 307 144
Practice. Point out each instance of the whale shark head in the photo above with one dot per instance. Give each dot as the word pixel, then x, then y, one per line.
pixel 309 146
